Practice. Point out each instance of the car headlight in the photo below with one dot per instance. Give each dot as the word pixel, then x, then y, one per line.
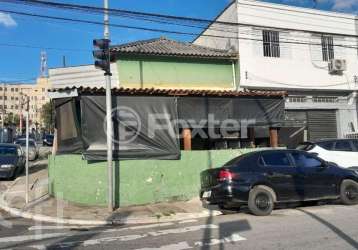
pixel 7 166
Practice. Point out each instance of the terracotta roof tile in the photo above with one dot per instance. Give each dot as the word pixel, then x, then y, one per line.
pixel 165 46
pixel 173 92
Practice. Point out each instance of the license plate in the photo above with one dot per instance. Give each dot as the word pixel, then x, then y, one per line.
pixel 207 194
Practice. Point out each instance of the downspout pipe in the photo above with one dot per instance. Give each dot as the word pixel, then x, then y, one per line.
pixel 233 75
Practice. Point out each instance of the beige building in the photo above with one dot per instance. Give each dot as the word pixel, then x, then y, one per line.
pixel 12 95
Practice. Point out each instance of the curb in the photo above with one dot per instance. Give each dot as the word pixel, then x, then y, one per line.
pixel 126 221
pixel 48 219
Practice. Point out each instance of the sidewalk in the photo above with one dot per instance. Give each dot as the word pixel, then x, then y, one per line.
pixel 44 208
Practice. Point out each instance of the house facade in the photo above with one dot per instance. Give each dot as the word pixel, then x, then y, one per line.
pixel 193 90
pixel 298 50
pixel 157 63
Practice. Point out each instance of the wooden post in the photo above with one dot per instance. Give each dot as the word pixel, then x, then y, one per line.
pixel 251 133
pixel 273 137
pixel 187 138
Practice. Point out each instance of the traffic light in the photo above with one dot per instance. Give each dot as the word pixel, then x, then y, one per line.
pixel 102 55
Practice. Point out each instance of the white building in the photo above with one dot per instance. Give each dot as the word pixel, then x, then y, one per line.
pixel 290 48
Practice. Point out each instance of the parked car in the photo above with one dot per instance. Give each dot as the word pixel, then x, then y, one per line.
pixel 48 140
pixel 12 160
pixel 264 178
pixel 33 149
pixel 343 152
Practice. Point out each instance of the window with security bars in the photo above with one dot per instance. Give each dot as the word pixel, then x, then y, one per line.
pixel 297 99
pixel 325 99
pixel 327 48
pixel 271 43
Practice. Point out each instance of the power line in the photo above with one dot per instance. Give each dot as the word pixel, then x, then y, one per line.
pixel 17 81
pixel 40 47
pixel 162 30
pixel 303 10
pixel 137 14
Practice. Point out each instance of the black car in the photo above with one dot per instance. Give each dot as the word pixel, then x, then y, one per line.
pixel 264 178
pixel 47 140
pixel 12 160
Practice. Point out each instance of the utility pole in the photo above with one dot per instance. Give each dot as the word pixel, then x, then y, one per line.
pixel 108 112
pixel 27 150
pixel 3 107
pixel 21 108
pixel 103 62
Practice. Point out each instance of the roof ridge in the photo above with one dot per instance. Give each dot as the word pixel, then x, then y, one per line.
pixel 134 43
pixel 167 46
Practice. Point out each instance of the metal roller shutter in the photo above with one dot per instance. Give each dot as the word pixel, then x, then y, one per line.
pixel 322 124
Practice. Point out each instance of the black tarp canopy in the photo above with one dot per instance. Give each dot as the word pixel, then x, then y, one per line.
pixel 146 122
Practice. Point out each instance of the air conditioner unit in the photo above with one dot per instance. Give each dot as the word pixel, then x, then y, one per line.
pixel 337 66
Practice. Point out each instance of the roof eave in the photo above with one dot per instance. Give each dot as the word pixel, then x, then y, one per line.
pixel 213 57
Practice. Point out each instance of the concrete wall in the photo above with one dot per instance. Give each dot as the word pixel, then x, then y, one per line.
pixel 82 75
pixel 137 182
pixel 346 110
pixel 300 65
pixel 166 72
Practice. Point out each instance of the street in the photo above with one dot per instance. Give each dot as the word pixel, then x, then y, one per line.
pixel 317 227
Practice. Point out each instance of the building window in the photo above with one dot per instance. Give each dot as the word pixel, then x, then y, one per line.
pixel 0 88
pixel 271 43
pixel 16 107
pixel 16 89
pixel 16 98
pixel 325 99
pixel 5 97
pixel 5 106
pixel 12 106
pixel 327 48
pixel 297 99
pixel 43 89
pixel 0 97
pixel 12 98
pixel 12 89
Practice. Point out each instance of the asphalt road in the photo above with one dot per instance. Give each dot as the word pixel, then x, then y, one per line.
pixel 319 227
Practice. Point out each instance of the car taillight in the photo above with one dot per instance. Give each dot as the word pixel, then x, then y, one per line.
pixel 225 175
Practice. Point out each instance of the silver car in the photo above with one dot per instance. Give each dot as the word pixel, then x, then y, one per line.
pixel 33 148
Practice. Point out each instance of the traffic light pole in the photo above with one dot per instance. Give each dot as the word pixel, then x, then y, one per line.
pixel 27 152
pixel 108 115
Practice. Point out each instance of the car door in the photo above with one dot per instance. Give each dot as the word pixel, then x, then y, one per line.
pixel 281 174
pixel 344 154
pixel 319 180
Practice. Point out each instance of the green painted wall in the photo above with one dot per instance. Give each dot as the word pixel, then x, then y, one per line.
pixel 141 181
pixel 164 72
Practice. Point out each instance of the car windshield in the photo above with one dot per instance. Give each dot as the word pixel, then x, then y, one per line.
pixel 305 146
pixel 22 143
pixel 8 151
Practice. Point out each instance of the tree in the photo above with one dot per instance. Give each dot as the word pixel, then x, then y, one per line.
pixel 11 119
pixel 48 116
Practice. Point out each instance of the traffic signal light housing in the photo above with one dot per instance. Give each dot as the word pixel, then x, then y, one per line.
pixel 102 55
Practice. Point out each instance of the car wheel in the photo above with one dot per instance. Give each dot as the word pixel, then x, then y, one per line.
pixel 349 192
pixel 13 176
pixel 261 200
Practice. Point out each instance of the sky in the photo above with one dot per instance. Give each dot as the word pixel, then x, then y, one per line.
pixel 74 41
